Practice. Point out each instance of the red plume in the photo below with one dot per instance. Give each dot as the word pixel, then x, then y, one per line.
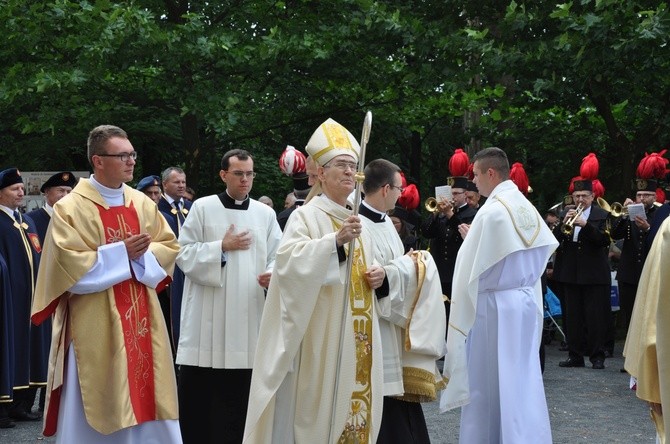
pixel 458 164
pixel 652 166
pixel 470 174
pixel 519 177
pixel 589 168
pixel 660 195
pixel 598 188
pixel 409 199
pixel 402 178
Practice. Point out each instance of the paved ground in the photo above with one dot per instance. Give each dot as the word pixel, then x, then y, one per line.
pixel 585 406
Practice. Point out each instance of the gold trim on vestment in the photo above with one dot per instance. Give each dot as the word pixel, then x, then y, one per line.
pixel 420 385
pixel 421 276
pixel 523 215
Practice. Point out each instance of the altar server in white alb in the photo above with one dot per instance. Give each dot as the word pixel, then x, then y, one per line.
pixel 228 245
pixel 497 306
pixel 411 313
pixel 293 395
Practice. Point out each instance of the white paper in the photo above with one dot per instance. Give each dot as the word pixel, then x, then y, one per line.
pixel 636 210
pixel 443 192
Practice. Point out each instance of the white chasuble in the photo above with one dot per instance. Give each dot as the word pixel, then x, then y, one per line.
pixel 299 387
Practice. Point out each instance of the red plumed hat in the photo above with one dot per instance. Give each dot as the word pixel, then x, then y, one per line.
pixel 578 179
pixel 589 168
pixel 409 199
pixel 470 174
pixel 652 166
pixel 598 188
pixel 403 179
pixel 519 177
pixel 660 195
pixel 459 163
pixel 292 161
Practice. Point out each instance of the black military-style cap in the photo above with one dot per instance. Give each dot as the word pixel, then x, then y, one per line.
pixel 9 177
pixel 62 179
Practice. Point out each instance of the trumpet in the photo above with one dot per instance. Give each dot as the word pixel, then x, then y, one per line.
pixel 615 209
pixel 431 205
pixel 568 227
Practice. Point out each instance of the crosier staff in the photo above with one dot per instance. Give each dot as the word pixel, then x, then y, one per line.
pixel 359 177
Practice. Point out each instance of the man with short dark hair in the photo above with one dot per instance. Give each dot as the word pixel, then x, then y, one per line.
pixel 402 418
pixel 107 253
pixel 228 245
pixel 497 315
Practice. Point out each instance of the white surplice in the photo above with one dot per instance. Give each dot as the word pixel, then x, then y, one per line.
pixel 222 304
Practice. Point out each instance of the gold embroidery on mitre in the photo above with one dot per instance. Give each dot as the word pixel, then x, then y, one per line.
pixel 337 137
pixel 359 419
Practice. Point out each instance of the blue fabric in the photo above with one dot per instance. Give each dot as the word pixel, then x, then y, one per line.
pixel 552 306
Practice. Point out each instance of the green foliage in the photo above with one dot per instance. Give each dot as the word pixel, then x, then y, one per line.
pixel 190 79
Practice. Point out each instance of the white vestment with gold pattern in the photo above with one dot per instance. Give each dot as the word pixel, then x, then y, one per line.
pixel 292 397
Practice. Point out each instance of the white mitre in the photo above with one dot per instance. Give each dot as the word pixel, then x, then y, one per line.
pixel 330 140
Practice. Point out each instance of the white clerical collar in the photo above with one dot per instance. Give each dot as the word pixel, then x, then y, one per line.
pixel 237 202
pixel 381 214
pixel 113 196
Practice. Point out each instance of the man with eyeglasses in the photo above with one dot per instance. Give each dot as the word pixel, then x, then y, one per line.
pixel 228 246
pixel 634 232
pixel 442 230
pixel 107 252
pixel 305 386
pixel 582 267
pixel 399 302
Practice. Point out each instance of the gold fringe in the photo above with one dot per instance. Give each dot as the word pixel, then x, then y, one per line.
pixel 420 385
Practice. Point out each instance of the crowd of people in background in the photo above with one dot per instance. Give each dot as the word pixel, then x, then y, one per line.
pixel 145 313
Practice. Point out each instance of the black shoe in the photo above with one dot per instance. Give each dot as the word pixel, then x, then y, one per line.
pixel 6 423
pixel 598 364
pixel 622 370
pixel 22 415
pixel 572 362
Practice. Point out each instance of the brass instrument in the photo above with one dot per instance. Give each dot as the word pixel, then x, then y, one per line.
pixel 568 227
pixel 431 205
pixel 615 209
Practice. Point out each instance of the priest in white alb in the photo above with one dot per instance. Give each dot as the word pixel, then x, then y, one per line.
pixel 411 313
pixel 497 305
pixel 228 244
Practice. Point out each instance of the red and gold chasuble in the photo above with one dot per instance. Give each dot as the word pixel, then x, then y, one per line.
pixel 131 302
